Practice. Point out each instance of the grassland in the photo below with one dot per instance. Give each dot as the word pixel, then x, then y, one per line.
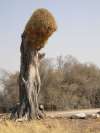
pixel 48 125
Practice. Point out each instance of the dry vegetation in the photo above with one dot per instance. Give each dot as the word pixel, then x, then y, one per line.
pixel 39 28
pixel 51 126
pixel 67 84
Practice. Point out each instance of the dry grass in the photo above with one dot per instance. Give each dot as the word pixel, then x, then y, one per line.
pixel 39 28
pixel 51 126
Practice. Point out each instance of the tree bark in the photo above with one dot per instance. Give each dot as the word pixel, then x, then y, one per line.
pixel 29 82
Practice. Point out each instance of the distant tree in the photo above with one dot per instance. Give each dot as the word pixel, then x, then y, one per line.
pixel 11 89
pixel 67 85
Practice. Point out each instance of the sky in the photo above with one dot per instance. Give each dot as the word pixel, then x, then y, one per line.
pixel 78 32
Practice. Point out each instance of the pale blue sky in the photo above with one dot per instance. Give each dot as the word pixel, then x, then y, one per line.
pixel 78 31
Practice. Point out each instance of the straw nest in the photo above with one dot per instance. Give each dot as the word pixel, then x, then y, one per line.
pixel 39 28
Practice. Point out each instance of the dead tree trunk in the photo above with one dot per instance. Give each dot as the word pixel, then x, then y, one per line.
pixel 29 81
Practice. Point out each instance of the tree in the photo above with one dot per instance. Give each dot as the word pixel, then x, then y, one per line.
pixel 37 31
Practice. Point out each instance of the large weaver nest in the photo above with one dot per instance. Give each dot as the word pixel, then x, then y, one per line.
pixel 39 28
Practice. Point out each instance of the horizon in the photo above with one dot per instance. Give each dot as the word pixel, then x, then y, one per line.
pixel 77 35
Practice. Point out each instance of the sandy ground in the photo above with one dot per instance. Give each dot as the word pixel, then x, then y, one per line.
pixel 55 114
